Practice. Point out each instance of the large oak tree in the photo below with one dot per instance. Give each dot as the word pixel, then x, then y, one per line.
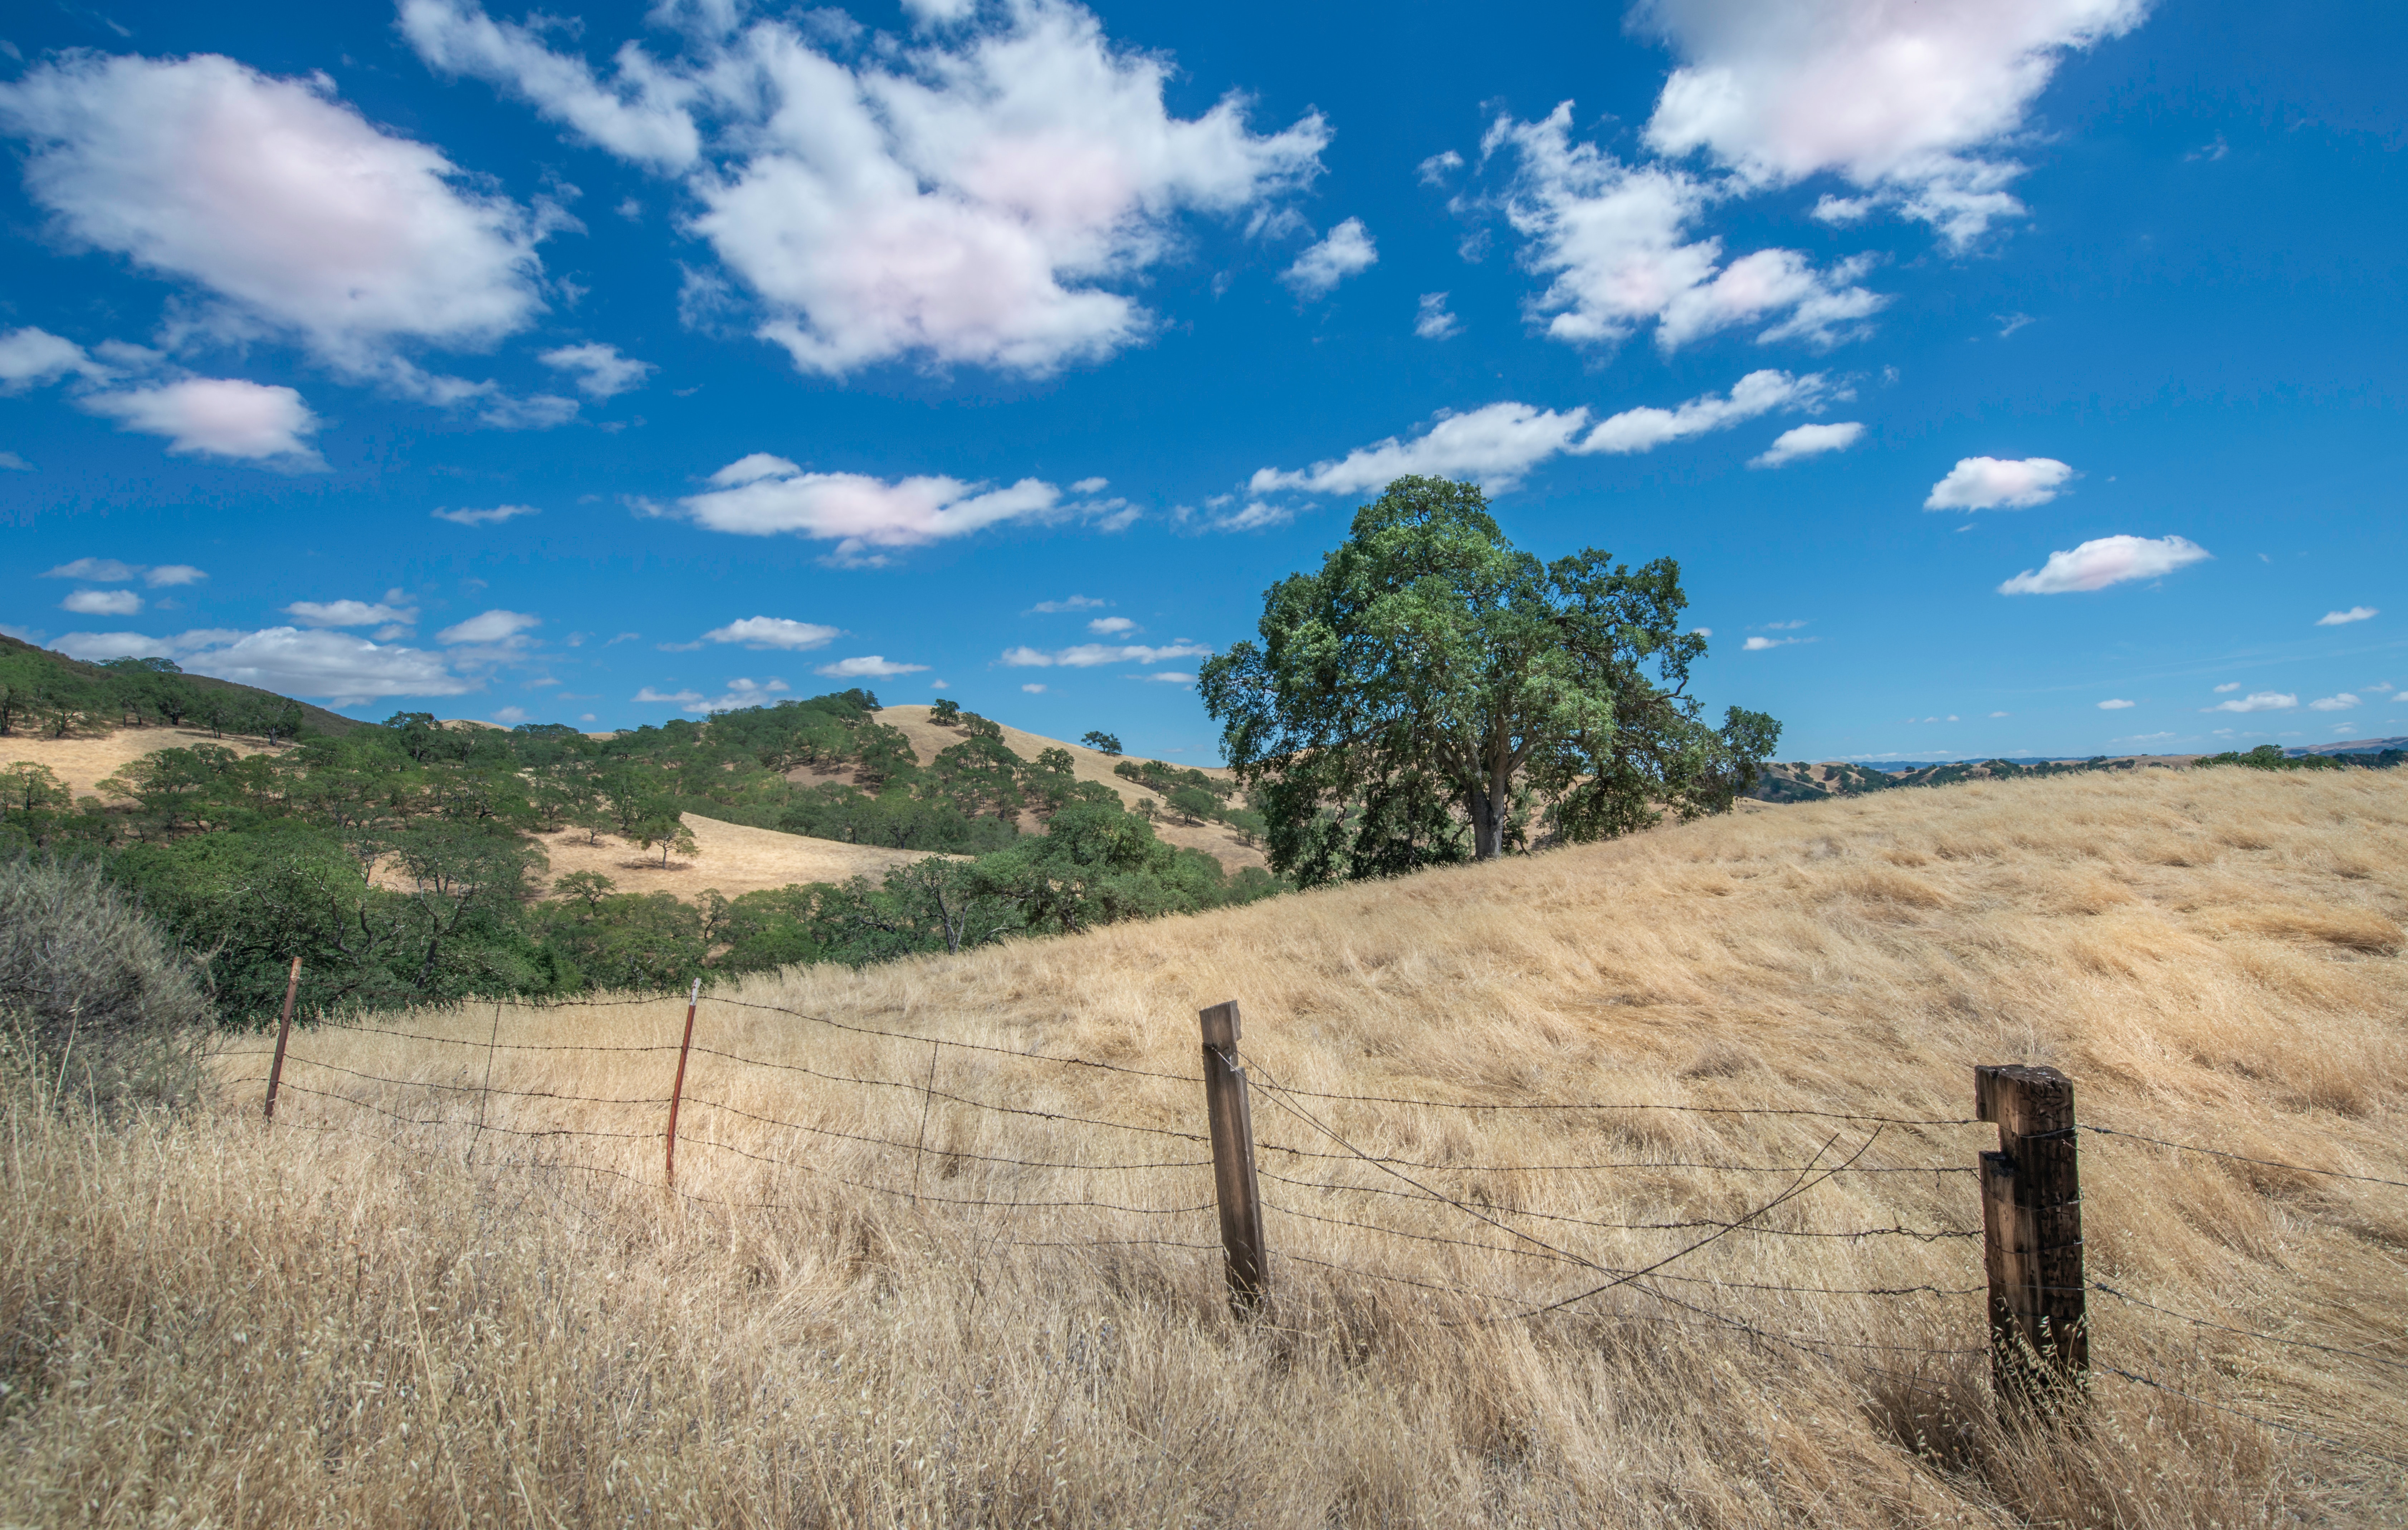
pixel 1433 694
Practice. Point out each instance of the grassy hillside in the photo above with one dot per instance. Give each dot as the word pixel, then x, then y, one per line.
pixel 52 682
pixel 355 1320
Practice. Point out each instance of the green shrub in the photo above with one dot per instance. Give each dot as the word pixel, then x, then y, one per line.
pixel 95 1003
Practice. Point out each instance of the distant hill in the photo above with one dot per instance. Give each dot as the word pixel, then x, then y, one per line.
pixel 30 666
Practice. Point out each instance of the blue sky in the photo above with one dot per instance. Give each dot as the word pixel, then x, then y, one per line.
pixel 2007 376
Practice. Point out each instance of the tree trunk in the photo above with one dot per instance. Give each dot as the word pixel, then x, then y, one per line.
pixel 1487 810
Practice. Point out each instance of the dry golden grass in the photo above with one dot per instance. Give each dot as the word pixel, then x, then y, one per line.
pixel 734 857
pixel 347 1319
pixel 83 763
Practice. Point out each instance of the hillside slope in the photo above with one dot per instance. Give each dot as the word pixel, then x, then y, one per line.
pixel 83 761
pixel 1029 1325
pixel 1216 840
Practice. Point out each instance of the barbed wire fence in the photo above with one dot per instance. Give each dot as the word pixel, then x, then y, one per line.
pixel 1504 1261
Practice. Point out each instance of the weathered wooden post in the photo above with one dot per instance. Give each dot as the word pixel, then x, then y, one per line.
pixel 676 1089
pixel 2031 1236
pixel 1234 1186
pixel 283 1034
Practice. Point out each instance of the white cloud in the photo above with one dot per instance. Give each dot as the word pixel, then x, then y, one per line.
pixel 11 462
pixel 774 632
pixel 675 696
pixel 1348 249
pixel 502 627
pixel 1808 441
pixel 2260 700
pixel 2227 686
pixel 349 612
pixel 1901 100
pixel 1033 688
pixel 2117 704
pixel 101 603
pixel 218 416
pixel 1496 444
pixel 1432 322
pixel 740 692
pixel 1758 646
pixel 1090 485
pixel 763 496
pixel 2343 618
pixel 601 370
pixel 1076 603
pixel 100 570
pixel 1614 240
pixel 30 358
pixel 2000 714
pixel 1111 627
pixel 1991 483
pixel 2341 702
pixel 968 199
pixel 485 517
pixel 1087 656
pixel 868 666
pixel 333 666
pixel 2104 561
pixel 1165 677
pixel 292 209
pixel 173 573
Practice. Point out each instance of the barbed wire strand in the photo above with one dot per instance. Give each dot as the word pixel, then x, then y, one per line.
pixel 473 1088
pixel 963 1045
pixel 945 1200
pixel 2325 1440
pixel 1633 1163
pixel 943 1153
pixel 2246 1332
pixel 956 1099
pixel 2244 1158
pixel 1580 1104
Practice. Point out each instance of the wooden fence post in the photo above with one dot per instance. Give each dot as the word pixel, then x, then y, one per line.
pixel 2032 1236
pixel 283 1033
pixel 677 1090
pixel 1234 1187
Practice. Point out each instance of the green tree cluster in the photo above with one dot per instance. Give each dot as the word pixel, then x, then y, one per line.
pixel 1433 694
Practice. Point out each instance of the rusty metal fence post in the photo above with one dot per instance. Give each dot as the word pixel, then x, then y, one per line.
pixel 677 1090
pixel 283 1034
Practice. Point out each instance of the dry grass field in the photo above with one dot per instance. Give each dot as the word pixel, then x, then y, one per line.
pixel 915 1304
pixel 83 763
pixel 734 857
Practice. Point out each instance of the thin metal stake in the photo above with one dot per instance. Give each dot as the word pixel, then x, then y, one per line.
pixel 677 1090
pixel 283 1033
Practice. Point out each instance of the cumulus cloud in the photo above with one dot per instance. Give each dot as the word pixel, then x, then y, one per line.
pixel 11 462
pixel 1758 646
pixel 1994 483
pixel 1033 688
pixel 2343 618
pixel 970 199
pixel 774 632
pixel 173 573
pixel 1906 102
pixel 765 496
pixel 217 416
pixel 2341 702
pixel 2104 561
pixel 1087 656
pixel 100 570
pixel 334 667
pixel 868 666
pixel 1111 627
pixel 490 627
pixel 485 517
pixel 349 612
pixel 1346 250
pixel 2227 686
pixel 1495 446
pixel 33 357
pixel 348 238
pixel 1808 441
pixel 673 697
pixel 1432 322
pixel 739 693
pixel 600 370
pixel 1090 485
pixel 1614 239
pixel 1165 677
pixel 2259 700
pixel 2115 704
pixel 1076 603
pixel 102 602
